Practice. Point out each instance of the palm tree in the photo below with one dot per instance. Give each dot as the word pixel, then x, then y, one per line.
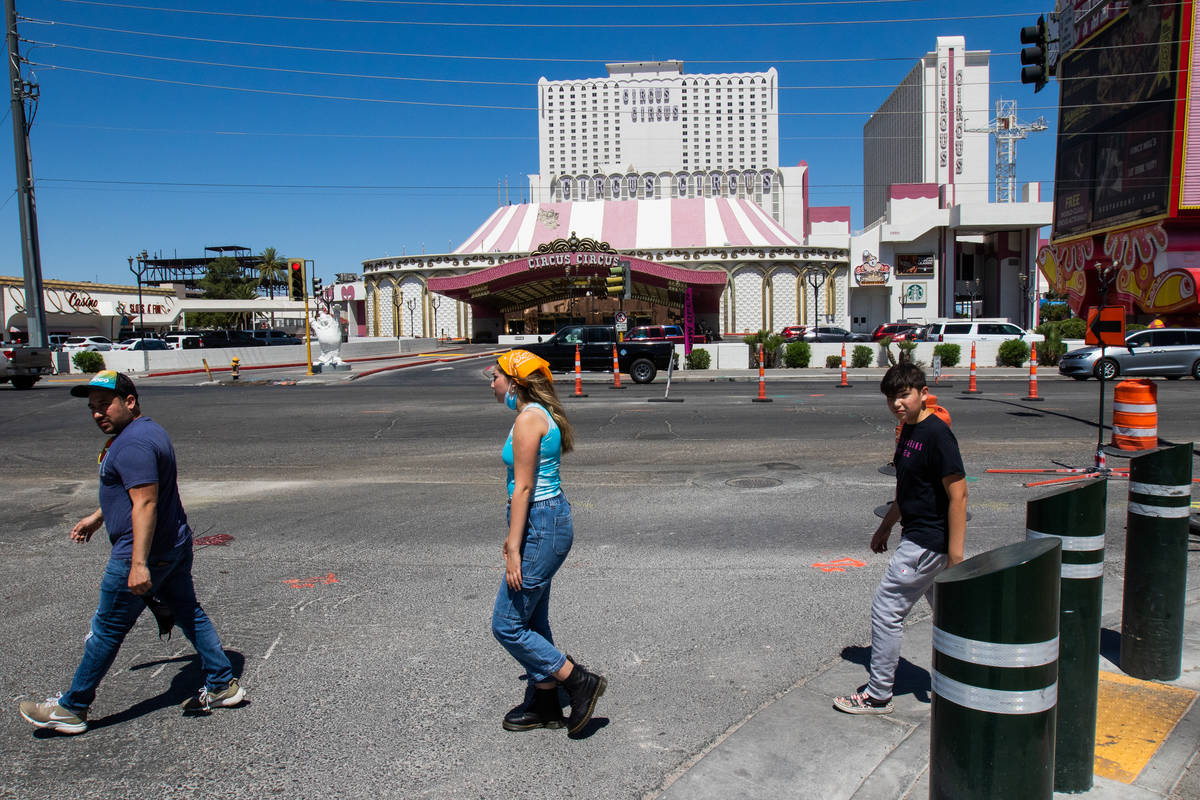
pixel 271 269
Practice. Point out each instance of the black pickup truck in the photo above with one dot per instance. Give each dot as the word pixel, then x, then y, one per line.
pixel 641 360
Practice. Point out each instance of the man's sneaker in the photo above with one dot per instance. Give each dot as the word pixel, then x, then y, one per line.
pixel 53 717
pixel 231 695
pixel 862 703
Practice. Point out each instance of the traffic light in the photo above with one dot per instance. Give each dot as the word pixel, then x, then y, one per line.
pixel 617 282
pixel 317 285
pixel 296 278
pixel 1036 58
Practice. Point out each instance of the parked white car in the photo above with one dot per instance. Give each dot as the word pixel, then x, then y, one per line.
pixel 963 331
pixel 142 344
pixel 94 343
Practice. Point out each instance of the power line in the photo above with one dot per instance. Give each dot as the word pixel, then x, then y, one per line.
pixel 377 76
pixel 393 101
pixel 574 25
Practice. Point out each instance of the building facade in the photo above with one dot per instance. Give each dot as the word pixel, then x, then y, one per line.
pixel 934 246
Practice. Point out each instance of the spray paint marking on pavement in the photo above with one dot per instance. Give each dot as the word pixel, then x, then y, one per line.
pixel 1133 719
pixel 839 564
pixel 309 583
pixel 216 539
pixel 271 649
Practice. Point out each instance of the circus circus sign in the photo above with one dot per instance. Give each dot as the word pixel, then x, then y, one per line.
pixel 872 272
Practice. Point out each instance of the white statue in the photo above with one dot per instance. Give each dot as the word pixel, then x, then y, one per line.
pixel 328 331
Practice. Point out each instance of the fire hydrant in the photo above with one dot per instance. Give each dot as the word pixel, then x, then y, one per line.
pixel 233 368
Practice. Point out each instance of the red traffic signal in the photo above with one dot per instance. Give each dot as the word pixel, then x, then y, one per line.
pixel 296 278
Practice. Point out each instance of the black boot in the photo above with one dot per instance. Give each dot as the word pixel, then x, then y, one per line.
pixel 584 689
pixel 542 710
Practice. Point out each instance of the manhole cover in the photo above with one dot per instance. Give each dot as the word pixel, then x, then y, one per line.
pixel 753 483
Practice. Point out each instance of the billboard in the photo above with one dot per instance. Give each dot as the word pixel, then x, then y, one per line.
pixel 1116 116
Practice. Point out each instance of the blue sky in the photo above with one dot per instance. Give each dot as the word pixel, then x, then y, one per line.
pixel 375 127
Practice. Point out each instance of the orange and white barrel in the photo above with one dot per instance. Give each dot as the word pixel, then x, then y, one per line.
pixel 1135 415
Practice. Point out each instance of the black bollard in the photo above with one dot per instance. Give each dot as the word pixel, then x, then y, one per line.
pixel 1156 545
pixel 995 675
pixel 1075 516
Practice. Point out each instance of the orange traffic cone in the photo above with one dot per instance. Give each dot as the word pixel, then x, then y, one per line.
pixel 762 379
pixel 1033 395
pixel 616 370
pixel 971 387
pixel 578 376
pixel 844 384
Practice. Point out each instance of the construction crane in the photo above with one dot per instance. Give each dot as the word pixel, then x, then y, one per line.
pixel 1008 131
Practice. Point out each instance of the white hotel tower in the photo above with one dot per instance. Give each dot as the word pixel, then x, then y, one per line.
pixel 650 131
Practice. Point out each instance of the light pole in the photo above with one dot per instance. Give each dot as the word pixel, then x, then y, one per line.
pixel 396 315
pixel 411 304
pixel 815 277
pixel 435 302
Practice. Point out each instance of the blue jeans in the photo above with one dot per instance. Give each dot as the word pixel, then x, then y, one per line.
pixel 521 619
pixel 171 580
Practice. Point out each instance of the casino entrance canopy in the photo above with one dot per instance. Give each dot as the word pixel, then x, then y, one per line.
pixel 567 268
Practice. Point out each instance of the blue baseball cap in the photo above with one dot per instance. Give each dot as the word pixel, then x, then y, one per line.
pixel 108 379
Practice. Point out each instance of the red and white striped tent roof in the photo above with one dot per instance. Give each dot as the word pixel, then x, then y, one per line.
pixel 630 225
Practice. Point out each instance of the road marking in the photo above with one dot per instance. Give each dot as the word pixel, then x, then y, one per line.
pixel 219 539
pixel 271 649
pixel 1133 719
pixel 839 564
pixel 309 583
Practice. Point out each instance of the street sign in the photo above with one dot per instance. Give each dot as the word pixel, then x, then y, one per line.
pixel 622 326
pixel 1105 326
pixel 937 368
pixel 621 317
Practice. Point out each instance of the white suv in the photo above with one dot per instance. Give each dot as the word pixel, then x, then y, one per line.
pixel 964 330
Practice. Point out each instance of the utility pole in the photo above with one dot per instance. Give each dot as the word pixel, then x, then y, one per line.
pixel 31 256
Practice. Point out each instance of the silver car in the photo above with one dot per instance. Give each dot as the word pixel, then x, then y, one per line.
pixel 1158 352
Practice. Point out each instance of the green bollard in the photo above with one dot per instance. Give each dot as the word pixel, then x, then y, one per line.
pixel 1156 545
pixel 995 675
pixel 1075 516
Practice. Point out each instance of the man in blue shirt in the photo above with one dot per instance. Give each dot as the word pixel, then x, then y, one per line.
pixel 151 556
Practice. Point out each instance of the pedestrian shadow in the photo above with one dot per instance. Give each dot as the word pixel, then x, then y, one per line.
pixel 185 683
pixel 910 679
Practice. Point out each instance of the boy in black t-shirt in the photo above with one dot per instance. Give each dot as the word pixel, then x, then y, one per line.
pixel 931 504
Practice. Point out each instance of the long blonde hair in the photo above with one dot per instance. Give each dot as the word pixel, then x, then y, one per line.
pixel 538 389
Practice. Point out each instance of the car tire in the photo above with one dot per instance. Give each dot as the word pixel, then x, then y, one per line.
pixel 642 370
pixel 23 381
pixel 1107 368
pixel 1196 370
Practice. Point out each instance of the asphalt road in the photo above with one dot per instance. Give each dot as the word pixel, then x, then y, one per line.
pixel 355 594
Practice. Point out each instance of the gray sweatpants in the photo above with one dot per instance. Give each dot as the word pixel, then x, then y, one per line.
pixel 909 576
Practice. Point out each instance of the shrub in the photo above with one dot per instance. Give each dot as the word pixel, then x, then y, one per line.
pixel 862 356
pixel 771 343
pixel 797 355
pixel 699 358
pixel 88 361
pixel 833 361
pixel 1012 353
pixel 906 352
pixel 886 343
pixel 950 353
pixel 1051 350
pixel 1071 328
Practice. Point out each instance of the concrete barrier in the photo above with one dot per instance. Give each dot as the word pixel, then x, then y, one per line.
pixel 220 357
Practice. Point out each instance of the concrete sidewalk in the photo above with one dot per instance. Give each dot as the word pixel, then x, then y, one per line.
pixel 798 746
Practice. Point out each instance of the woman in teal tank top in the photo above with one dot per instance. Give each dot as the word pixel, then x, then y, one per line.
pixel 540 533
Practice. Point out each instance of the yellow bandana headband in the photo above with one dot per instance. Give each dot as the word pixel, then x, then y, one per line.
pixel 520 364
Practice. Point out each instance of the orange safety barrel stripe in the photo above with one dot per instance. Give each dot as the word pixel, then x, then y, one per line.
pixel 1135 415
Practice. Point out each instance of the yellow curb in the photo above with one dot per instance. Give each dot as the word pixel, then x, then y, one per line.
pixel 1133 719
